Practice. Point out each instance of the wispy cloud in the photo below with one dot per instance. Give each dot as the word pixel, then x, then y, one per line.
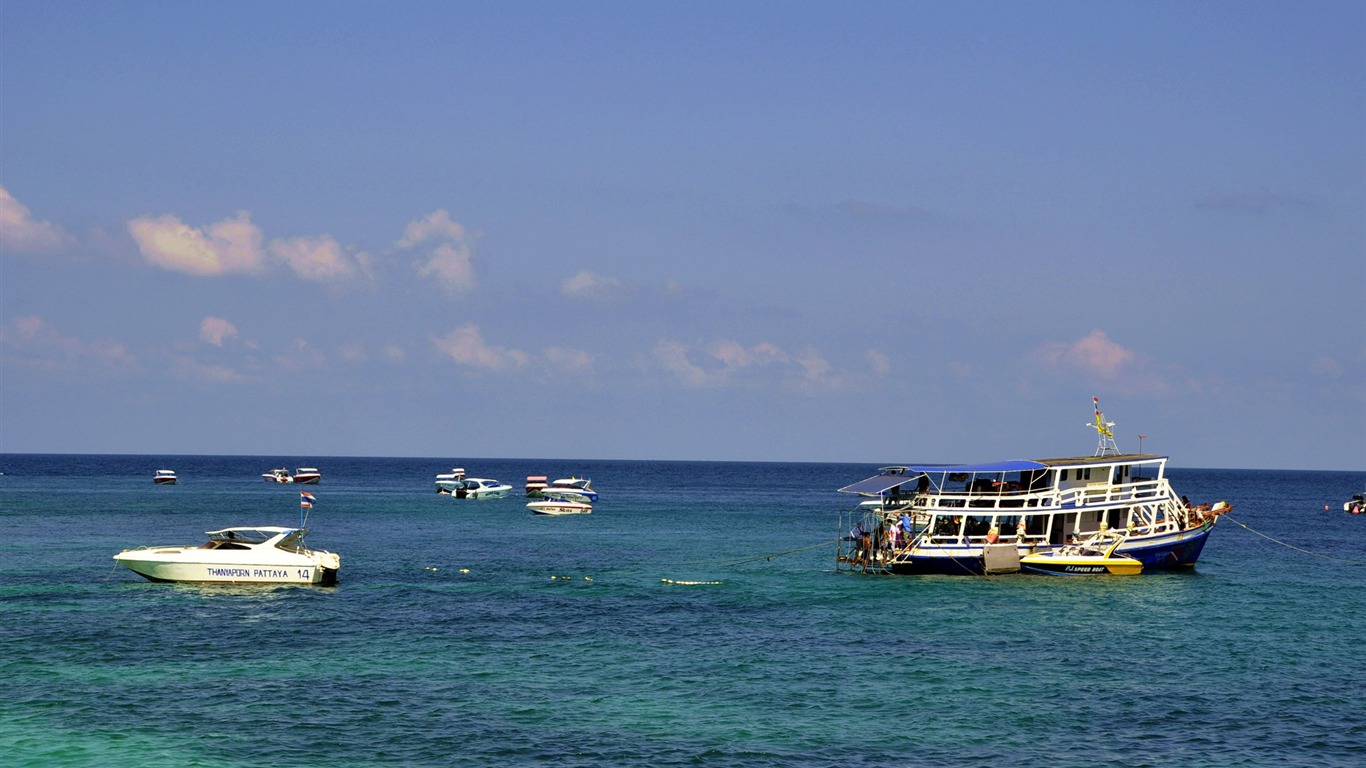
pixel 314 258
pixel 1094 353
pixel 39 345
pixel 449 251
pixel 591 286
pixel 570 361
pixel 215 329
pixel 466 346
pixel 21 232
pixel 727 362
pixel 879 362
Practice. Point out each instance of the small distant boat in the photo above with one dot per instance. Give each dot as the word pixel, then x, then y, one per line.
pixel 280 475
pixel 1355 505
pixel 164 477
pixel 455 483
pixel 307 476
pixel 448 481
pixel 555 506
pixel 244 555
pixel 574 488
pixel 535 484
pixel 1095 556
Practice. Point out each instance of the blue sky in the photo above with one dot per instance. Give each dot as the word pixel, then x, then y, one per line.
pixel 867 232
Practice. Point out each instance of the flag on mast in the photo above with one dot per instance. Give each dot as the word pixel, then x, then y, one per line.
pixel 306 500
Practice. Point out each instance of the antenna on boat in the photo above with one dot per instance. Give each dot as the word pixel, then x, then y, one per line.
pixel 1105 439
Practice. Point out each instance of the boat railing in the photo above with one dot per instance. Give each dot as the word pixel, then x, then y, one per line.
pixel 1008 496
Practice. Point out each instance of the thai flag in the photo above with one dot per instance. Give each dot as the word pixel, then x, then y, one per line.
pixel 306 500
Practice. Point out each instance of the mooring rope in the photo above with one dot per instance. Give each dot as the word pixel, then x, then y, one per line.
pixel 1292 546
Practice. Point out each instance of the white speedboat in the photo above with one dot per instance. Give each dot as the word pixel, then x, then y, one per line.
pixel 280 475
pixel 552 506
pixel 574 488
pixel 1355 505
pixel 307 476
pixel 449 482
pixel 473 488
pixel 164 477
pixel 246 555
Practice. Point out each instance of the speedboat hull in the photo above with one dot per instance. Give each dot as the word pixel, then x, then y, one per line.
pixel 164 477
pixel 559 507
pixel 472 488
pixel 265 555
pixel 307 476
pixel 172 565
pixel 1081 565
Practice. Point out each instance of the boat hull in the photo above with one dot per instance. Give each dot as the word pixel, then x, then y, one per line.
pixel 1174 552
pixel 559 508
pixel 191 565
pixel 1081 566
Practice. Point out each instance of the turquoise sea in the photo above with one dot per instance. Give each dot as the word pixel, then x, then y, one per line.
pixel 471 633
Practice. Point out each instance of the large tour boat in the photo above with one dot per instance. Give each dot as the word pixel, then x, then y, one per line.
pixel 983 518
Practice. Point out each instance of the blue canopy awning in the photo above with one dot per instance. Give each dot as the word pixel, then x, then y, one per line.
pixel 1014 465
pixel 879 484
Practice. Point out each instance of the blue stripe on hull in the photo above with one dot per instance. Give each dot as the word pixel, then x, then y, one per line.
pixel 1160 557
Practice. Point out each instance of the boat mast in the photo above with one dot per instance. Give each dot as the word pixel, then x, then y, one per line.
pixel 1105 438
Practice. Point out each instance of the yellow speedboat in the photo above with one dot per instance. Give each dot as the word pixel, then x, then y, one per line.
pixel 1093 557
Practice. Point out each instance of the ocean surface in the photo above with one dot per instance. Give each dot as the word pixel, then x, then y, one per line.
pixel 471 633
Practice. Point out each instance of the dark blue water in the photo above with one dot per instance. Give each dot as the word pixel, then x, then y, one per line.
pixel 562 645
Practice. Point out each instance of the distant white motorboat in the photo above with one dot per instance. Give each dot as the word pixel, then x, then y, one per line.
pixel 307 476
pixel 244 555
pixel 456 484
pixel 280 475
pixel 553 506
pixel 575 488
pixel 164 477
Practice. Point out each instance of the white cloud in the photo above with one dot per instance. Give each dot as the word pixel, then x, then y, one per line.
pixel 465 345
pixel 314 258
pixel 588 285
pixel 1094 353
pixel 450 260
pixel 187 368
pixel 735 355
pixel 234 246
pixel 728 362
pixel 570 361
pixel 21 232
pixel 450 266
pixel 672 356
pixel 215 329
pixel 437 226
pixel 230 246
